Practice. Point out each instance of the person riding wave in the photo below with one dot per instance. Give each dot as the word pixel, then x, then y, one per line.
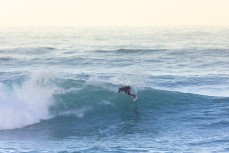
pixel 127 90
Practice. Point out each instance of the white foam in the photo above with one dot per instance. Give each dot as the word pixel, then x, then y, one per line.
pixel 28 103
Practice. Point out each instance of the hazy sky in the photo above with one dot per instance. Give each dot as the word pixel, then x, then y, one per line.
pixel 114 12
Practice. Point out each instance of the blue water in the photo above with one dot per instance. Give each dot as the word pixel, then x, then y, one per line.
pixel 58 89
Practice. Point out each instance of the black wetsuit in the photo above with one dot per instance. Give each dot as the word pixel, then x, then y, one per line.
pixel 127 90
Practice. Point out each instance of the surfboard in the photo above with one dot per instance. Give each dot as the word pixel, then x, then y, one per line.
pixel 135 98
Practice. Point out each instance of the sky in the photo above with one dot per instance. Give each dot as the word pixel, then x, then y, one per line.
pixel 114 12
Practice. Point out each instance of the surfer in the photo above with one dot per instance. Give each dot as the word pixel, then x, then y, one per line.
pixel 127 90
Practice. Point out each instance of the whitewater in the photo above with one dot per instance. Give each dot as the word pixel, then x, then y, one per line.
pixel 59 89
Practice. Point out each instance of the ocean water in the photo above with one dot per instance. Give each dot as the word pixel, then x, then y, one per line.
pixel 58 89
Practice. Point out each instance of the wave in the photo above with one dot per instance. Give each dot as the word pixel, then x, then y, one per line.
pixel 131 51
pixel 45 97
pixel 7 59
pixel 28 50
pixel 178 51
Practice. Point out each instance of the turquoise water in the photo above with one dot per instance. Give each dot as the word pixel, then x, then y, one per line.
pixel 58 89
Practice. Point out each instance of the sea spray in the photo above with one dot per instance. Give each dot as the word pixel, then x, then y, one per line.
pixel 26 103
